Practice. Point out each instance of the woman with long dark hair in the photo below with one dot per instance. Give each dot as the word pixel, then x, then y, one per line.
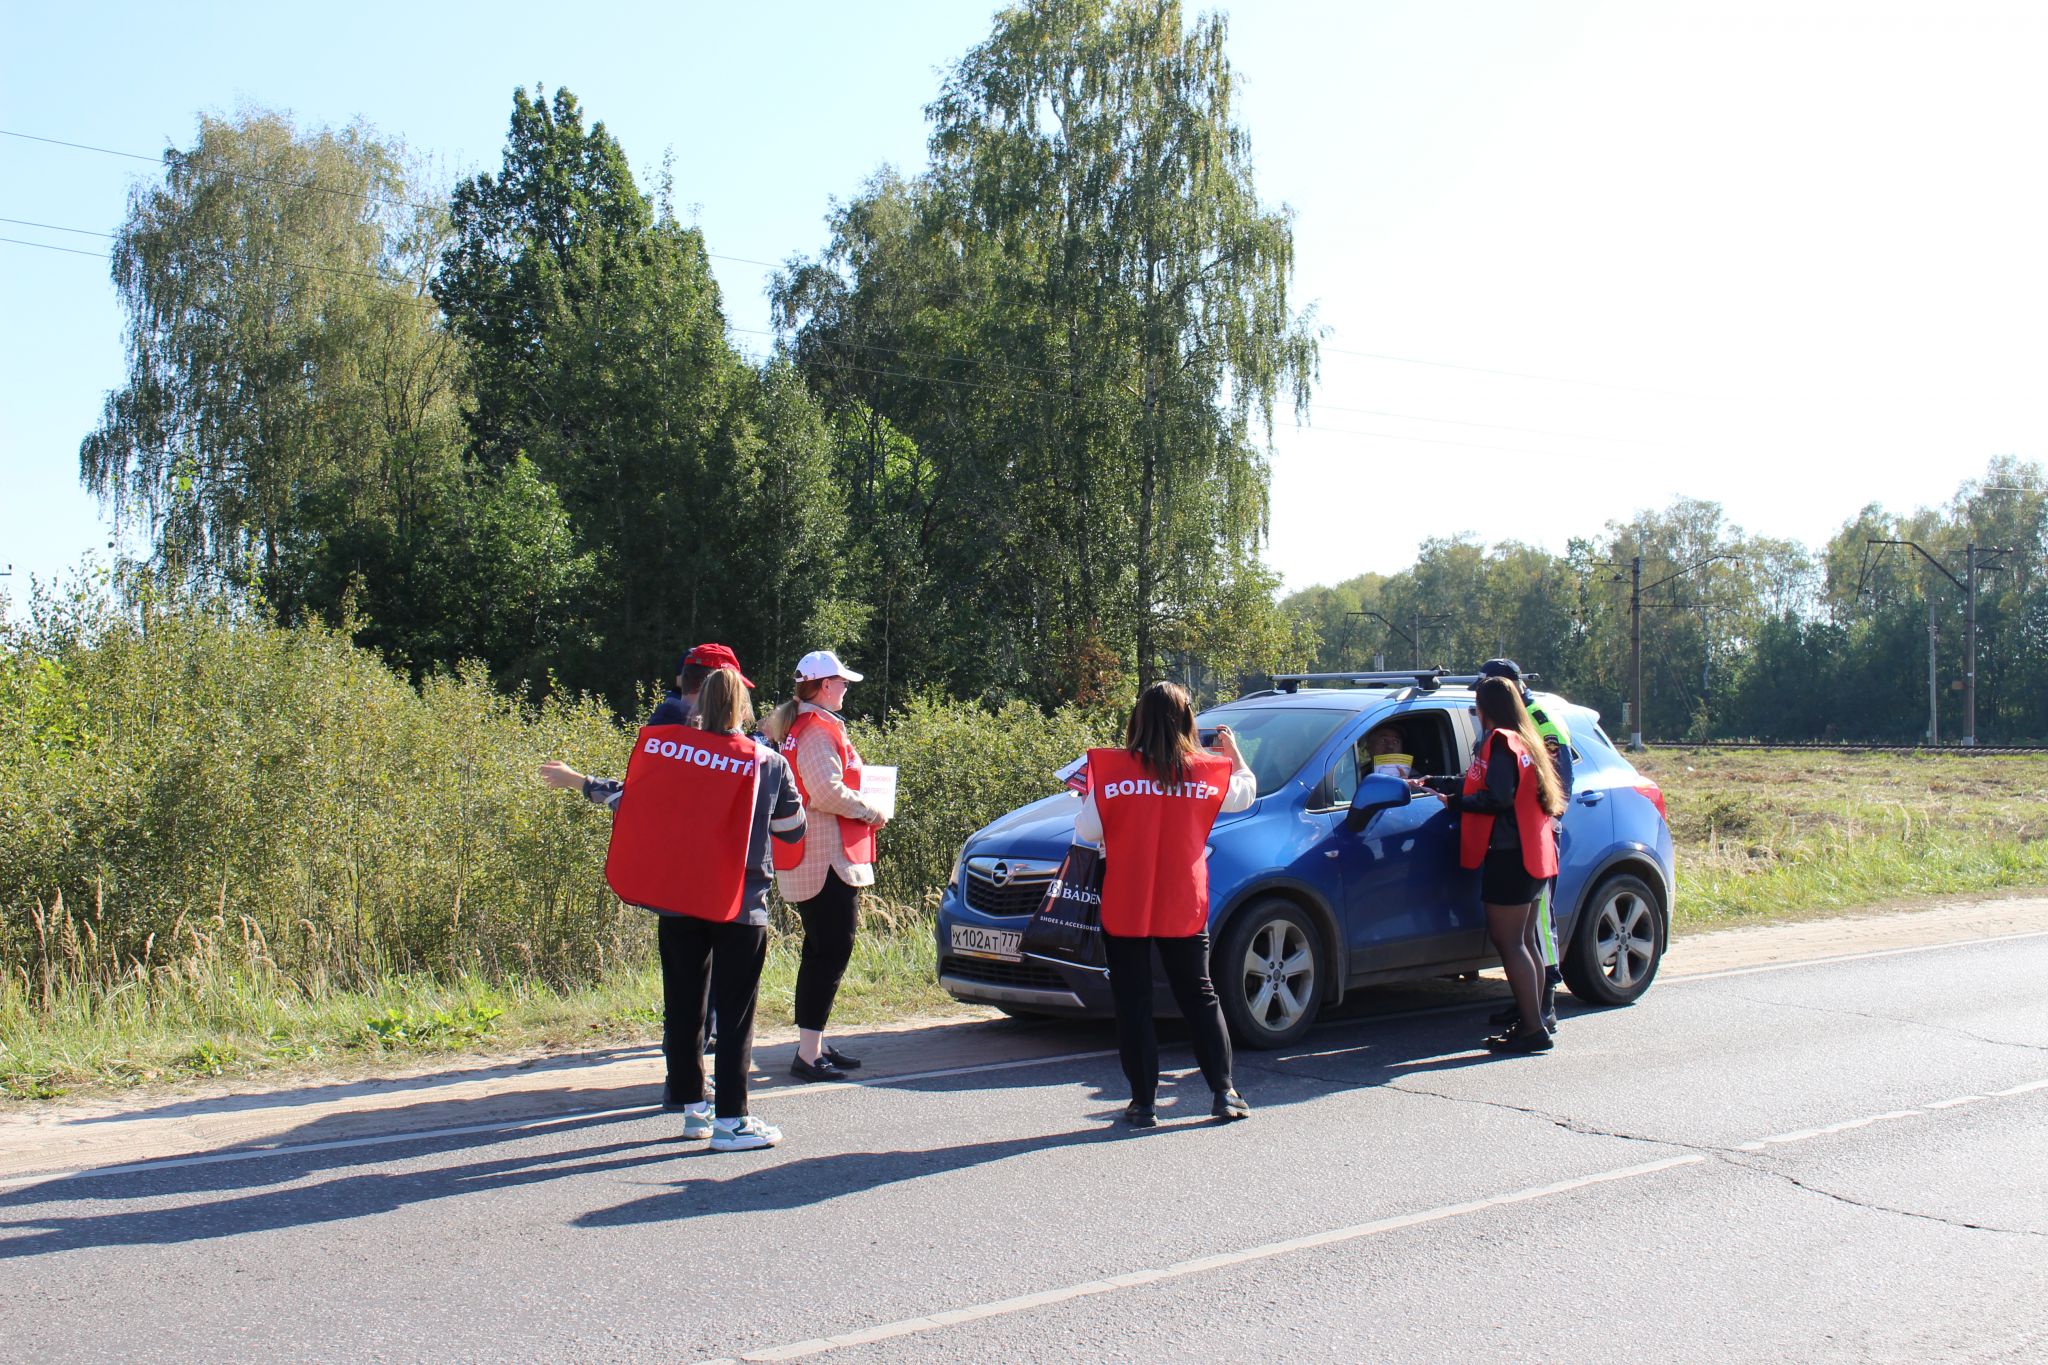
pixel 697 814
pixel 1506 801
pixel 1151 804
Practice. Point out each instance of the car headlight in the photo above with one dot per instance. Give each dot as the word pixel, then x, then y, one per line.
pixel 953 877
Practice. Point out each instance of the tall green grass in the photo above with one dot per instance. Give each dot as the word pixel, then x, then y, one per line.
pixel 1779 834
pixel 216 833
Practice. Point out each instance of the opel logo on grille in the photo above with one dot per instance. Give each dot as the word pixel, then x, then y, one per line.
pixel 1000 874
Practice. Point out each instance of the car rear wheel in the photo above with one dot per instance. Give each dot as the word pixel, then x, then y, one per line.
pixel 1617 943
pixel 1270 973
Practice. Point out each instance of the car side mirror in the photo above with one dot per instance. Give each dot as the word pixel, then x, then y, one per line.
pixel 1376 792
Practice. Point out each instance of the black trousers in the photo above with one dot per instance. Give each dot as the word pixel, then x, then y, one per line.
pixel 829 921
pixel 694 954
pixel 1186 964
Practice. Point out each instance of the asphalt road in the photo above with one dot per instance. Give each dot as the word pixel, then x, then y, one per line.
pixel 1836 1160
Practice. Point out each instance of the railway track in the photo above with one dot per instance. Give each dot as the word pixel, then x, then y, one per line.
pixel 1855 747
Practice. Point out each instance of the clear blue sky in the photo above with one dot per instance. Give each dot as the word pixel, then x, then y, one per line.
pixel 1782 255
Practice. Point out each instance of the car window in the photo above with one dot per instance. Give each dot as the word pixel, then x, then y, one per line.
pixel 1428 739
pixel 1344 777
pixel 1276 741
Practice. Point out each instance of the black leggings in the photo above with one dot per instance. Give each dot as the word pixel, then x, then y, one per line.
pixel 829 920
pixel 1186 961
pixel 696 953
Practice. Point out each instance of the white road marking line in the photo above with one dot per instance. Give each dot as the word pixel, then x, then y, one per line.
pixel 506 1126
pixel 930 1322
pixel 780 1093
pixel 1202 1265
pixel 336 1145
pixel 827 1087
pixel 1684 978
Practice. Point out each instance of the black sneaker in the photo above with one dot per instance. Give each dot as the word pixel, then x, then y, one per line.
pixel 1230 1105
pixel 1521 1040
pixel 1138 1115
pixel 840 1059
pixel 820 1070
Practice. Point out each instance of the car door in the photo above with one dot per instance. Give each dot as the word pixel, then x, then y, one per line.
pixel 1406 901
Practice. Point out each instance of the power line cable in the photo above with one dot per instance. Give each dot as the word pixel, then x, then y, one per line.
pixel 1514 374
pixel 769 265
pixel 394 201
pixel 67 250
pixel 958 383
pixel 759 360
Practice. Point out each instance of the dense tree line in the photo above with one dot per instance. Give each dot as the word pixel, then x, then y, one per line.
pixel 1011 443
pixel 1010 446
pixel 1743 636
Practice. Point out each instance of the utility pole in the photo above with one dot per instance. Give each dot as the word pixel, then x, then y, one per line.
pixel 1933 680
pixel 1414 640
pixel 1973 556
pixel 1636 589
pixel 1970 646
pixel 1635 654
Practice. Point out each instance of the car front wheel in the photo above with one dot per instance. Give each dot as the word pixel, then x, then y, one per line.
pixel 1617 942
pixel 1270 973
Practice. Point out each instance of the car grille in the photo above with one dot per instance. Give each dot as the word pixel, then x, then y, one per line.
pixel 1018 896
pixel 993 973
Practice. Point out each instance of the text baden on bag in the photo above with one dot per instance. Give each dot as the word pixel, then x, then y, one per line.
pixel 679 839
pixel 1068 923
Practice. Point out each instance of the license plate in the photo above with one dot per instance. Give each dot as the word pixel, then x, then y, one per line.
pixel 976 941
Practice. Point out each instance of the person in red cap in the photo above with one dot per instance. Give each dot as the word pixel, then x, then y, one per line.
pixel 678 707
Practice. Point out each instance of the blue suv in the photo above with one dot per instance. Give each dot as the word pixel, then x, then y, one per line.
pixel 1334 879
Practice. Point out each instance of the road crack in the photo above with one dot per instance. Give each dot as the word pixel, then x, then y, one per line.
pixel 1565 1121
pixel 1725 1155
pixel 1949 1029
pixel 1871 1207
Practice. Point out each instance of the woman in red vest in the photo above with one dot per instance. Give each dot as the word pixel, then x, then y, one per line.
pixel 822 874
pixel 1505 802
pixel 694 819
pixel 1150 804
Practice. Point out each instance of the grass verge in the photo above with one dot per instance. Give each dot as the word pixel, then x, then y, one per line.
pixel 1786 834
pixel 221 1015
pixel 1762 835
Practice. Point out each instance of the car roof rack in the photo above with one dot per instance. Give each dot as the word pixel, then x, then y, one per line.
pixel 1420 679
pixel 1425 678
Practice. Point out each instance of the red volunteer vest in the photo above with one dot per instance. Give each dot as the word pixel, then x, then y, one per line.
pixel 856 837
pixel 1155 836
pixel 679 839
pixel 1539 839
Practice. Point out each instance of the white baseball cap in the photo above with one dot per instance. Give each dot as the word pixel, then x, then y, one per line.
pixel 823 663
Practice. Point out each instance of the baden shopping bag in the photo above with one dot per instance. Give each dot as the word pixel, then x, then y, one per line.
pixel 1067 926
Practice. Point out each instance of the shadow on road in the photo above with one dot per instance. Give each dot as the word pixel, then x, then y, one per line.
pixel 1358 1049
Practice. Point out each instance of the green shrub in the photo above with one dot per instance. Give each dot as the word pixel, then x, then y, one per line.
pixel 961 767
pixel 199 786
pixel 200 802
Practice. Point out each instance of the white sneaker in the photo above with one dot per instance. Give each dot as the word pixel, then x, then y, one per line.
pixel 697 1121
pixel 742 1135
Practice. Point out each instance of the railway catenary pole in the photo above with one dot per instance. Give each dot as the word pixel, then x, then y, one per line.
pixel 1933 679
pixel 1970 646
pixel 1635 654
pixel 1973 556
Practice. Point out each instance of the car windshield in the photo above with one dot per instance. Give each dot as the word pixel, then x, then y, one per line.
pixel 1277 740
